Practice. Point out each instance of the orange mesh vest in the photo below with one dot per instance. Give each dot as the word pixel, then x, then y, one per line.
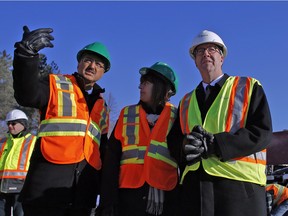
pixel 145 155
pixel 280 193
pixel 68 134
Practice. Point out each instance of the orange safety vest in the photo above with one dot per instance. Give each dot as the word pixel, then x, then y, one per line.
pixel 68 134
pixel 145 155
pixel 280 193
pixel 15 161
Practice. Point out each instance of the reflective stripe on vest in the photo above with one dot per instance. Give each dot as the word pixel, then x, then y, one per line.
pixel 17 159
pixel 135 154
pixel 280 193
pixel 66 102
pixel 227 113
pixel 67 122
pixel 145 151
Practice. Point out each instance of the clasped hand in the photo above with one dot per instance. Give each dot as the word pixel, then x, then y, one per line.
pixel 198 144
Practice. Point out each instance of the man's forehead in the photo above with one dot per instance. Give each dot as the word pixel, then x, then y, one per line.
pixel 93 56
pixel 206 45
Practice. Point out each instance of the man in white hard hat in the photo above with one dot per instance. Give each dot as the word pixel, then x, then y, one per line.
pixel 220 138
pixel 15 151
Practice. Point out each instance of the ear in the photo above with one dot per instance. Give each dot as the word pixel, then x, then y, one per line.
pixel 222 59
pixel 168 95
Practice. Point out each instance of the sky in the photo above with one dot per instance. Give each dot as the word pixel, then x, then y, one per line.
pixel 140 33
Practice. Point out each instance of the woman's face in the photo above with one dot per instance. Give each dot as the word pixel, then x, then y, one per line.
pixel 146 88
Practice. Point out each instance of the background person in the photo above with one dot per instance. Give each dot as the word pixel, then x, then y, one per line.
pixel 139 176
pixel 224 131
pixel 64 175
pixel 15 152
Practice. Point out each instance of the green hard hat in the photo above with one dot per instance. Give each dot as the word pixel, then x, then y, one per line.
pixel 100 50
pixel 166 71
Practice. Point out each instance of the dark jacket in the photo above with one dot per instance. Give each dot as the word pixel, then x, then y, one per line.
pixel 204 194
pixel 47 184
pixel 253 138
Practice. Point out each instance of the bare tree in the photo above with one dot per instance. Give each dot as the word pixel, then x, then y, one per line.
pixel 113 110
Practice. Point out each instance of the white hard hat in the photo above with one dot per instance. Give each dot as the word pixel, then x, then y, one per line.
pixel 15 115
pixel 207 37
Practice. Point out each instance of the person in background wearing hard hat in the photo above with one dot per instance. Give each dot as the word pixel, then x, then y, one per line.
pixel 15 151
pixel 139 176
pixel 64 176
pixel 220 136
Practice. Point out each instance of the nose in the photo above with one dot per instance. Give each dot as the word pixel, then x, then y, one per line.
pixel 206 53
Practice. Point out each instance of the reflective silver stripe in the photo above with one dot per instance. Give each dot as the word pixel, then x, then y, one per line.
pixel 24 154
pixel 94 132
pixel 130 118
pixel 184 107
pixel 64 83
pixel 258 155
pixel 238 105
pixel 157 148
pixel 137 153
pixel 279 195
pixel 67 104
pixel 57 128
pixel 7 173
pixel 64 97
pixel 134 155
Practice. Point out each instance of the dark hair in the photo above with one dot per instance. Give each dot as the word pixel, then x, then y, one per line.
pixel 160 88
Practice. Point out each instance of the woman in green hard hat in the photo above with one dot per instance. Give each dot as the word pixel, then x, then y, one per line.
pixel 139 176
pixel 64 174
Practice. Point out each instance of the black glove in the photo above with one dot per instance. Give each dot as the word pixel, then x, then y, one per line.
pixel 193 148
pixel 34 41
pixel 207 140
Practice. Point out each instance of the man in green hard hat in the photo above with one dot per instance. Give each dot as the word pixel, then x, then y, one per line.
pixel 64 174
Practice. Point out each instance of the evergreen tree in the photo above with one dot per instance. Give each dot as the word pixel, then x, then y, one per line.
pixel 7 100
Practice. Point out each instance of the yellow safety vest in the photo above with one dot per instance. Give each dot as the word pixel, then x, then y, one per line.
pixel 227 113
pixel 15 156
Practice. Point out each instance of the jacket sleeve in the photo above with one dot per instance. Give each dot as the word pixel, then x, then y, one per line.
pixel 174 142
pixel 110 175
pixel 29 89
pixel 256 134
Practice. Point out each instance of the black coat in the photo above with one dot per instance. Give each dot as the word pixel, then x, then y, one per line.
pixel 50 184
pixel 199 187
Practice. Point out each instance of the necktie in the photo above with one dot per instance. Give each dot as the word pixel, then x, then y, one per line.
pixel 208 91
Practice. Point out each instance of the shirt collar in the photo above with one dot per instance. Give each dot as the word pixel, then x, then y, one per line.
pixel 213 82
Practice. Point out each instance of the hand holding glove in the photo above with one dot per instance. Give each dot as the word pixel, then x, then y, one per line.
pixel 33 41
pixel 207 140
pixel 192 148
pixel 198 144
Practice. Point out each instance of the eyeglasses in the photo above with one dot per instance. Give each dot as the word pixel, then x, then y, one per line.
pixel 91 60
pixel 12 123
pixel 210 50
